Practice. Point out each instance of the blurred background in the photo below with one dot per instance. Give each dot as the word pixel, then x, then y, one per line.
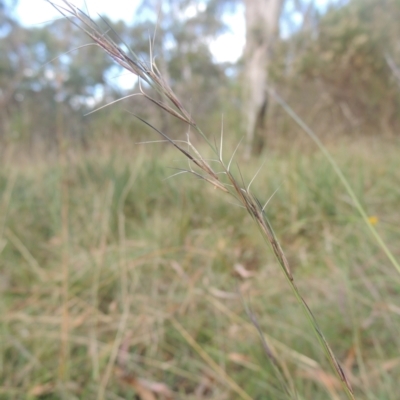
pixel 334 61
pixel 117 282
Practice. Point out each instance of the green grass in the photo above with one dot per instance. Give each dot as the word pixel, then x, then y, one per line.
pixel 152 261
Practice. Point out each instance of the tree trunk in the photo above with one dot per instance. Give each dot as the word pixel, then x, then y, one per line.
pixel 262 29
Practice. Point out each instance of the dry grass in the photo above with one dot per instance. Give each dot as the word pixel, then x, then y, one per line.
pixel 157 300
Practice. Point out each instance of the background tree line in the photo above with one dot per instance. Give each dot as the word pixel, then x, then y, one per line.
pixel 338 68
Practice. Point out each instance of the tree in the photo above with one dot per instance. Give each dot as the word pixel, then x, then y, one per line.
pixel 30 84
pixel 183 30
pixel 12 62
pixel 347 59
pixel 262 30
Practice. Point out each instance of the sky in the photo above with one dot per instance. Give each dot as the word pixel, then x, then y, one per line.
pixel 227 47
pixel 32 12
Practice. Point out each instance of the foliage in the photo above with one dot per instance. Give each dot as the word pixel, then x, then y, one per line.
pixel 55 64
pixel 333 67
pixel 346 55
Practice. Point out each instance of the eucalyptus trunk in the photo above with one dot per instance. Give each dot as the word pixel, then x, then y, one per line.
pixel 262 30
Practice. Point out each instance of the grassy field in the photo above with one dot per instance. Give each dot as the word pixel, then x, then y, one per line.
pixel 118 284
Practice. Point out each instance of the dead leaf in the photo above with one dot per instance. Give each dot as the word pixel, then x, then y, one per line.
pixel 178 269
pixel 80 319
pixel 350 359
pixel 330 382
pixel 112 307
pixel 146 390
pixel 156 387
pixel 204 388
pixel 220 294
pixel 243 360
pixel 243 272
pixel 55 241
pixel 387 366
pixel 123 351
pixel 142 391
pixel 234 330
pixel 238 358
pixel 41 390
pixel 245 287
pixel 390 364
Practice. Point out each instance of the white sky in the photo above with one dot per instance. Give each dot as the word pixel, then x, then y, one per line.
pixel 33 12
pixel 227 47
